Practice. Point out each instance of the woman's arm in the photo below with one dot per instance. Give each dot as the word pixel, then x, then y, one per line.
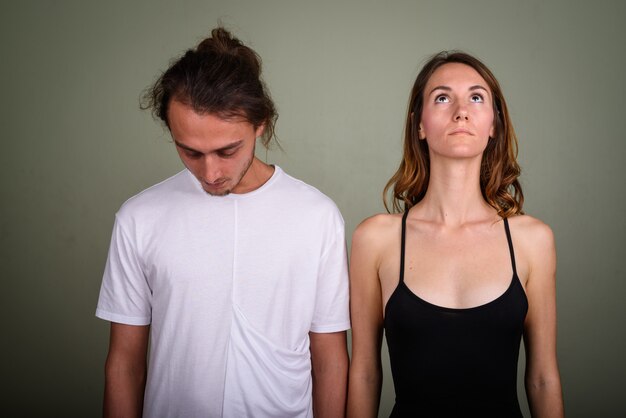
pixel 543 383
pixel 367 323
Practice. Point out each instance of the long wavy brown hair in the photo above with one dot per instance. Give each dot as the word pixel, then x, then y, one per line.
pixel 499 170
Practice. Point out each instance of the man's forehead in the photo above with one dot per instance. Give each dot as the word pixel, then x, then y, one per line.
pixel 178 103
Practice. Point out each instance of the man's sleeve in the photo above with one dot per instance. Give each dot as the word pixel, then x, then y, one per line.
pixel 125 295
pixel 332 299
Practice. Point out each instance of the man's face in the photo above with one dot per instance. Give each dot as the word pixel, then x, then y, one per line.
pixel 218 152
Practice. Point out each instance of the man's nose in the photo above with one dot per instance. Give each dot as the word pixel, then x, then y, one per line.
pixel 211 170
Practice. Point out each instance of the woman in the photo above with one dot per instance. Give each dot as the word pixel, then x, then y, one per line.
pixel 459 277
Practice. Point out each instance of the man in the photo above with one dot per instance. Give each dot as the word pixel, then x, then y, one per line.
pixel 234 271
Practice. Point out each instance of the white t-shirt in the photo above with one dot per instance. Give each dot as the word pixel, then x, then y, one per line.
pixel 231 287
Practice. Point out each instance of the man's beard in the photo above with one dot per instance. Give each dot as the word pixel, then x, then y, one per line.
pixel 241 175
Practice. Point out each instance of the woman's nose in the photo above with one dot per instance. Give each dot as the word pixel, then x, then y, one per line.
pixel 461 114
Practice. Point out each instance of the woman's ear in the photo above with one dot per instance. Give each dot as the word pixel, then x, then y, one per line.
pixel 420 132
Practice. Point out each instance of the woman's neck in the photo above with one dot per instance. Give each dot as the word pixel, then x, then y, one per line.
pixel 454 197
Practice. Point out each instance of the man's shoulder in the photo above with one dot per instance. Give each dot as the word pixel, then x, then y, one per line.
pixel 293 199
pixel 156 197
pixel 302 193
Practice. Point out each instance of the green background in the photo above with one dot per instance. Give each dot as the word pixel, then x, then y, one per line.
pixel 75 146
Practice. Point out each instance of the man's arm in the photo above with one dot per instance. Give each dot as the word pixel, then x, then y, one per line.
pixel 329 360
pixel 125 371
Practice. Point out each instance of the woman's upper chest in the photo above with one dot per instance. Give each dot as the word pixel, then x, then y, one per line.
pixel 457 267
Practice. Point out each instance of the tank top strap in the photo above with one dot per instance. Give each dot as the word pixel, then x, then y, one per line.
pixel 402 245
pixel 510 241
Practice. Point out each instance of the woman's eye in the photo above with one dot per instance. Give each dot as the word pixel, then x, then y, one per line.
pixel 476 98
pixel 441 99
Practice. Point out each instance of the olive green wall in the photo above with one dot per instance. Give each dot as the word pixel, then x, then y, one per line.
pixel 75 146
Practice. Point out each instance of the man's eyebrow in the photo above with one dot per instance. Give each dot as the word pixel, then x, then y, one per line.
pixel 230 146
pixel 185 147
pixel 226 148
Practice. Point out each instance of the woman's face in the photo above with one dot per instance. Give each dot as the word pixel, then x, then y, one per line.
pixel 457 118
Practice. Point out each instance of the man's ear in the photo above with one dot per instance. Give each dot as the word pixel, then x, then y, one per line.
pixel 259 131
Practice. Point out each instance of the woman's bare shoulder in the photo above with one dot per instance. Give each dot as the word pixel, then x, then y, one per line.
pixel 372 241
pixel 530 229
pixel 377 228
pixel 533 240
pixel 379 223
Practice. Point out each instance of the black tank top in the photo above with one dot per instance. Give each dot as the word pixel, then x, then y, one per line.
pixel 449 362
